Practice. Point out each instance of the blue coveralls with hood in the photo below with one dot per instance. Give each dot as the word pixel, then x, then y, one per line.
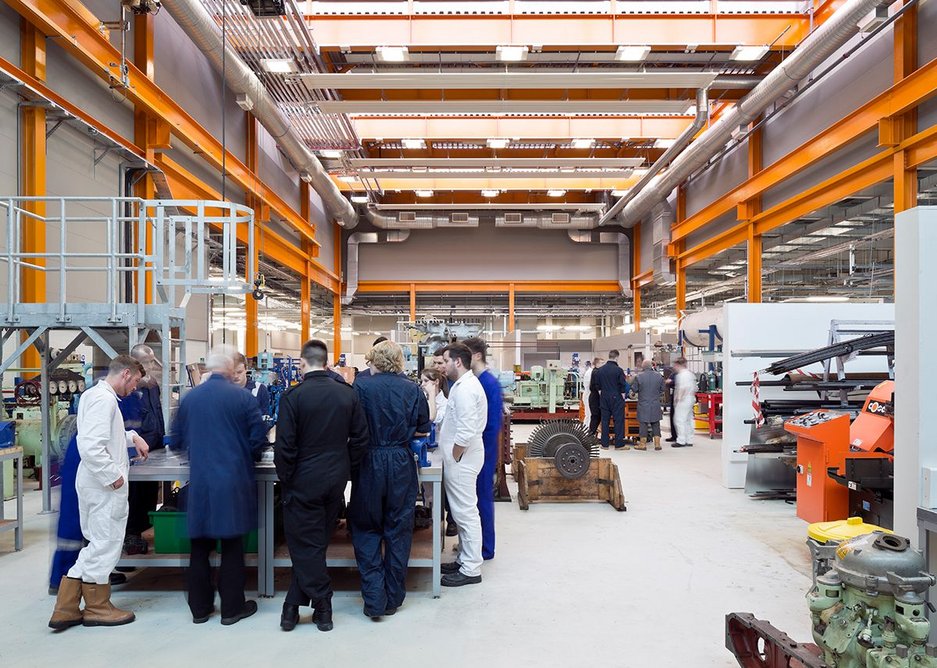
pixel 384 488
pixel 485 487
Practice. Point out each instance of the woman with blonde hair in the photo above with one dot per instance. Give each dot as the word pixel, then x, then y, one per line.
pixel 384 488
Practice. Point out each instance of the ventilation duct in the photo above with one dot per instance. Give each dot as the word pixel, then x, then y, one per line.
pixel 198 24
pixel 662 221
pixel 817 47
pixel 624 252
pixel 354 240
pixel 426 220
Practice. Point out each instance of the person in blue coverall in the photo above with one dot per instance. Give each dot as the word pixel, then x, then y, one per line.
pixel 491 438
pixel 220 426
pixel 384 488
pixel 609 381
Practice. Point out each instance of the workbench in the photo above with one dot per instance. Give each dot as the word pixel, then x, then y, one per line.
pixel 165 466
pixel 713 403
pixel 16 454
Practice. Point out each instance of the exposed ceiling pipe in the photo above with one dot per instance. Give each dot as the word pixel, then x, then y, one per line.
pixel 736 82
pixel 198 24
pixel 817 47
pixel 624 252
pixel 354 240
pixel 670 155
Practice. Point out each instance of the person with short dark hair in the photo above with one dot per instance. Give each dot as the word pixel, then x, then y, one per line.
pixel 591 399
pixel 102 499
pixel 491 438
pixel 257 390
pixel 650 386
pixel 384 488
pixel 610 384
pixel 321 436
pixel 220 426
pixel 463 449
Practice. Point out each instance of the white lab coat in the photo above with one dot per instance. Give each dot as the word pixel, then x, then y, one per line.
pixel 684 400
pixel 586 379
pixel 102 444
pixel 464 422
pixel 441 403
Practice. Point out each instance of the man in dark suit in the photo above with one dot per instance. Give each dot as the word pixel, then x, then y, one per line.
pixel 321 435
pixel 609 381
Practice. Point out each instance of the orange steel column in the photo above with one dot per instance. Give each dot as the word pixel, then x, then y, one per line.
pixel 33 282
pixel 305 306
pixel 144 124
pixel 337 297
pixel 251 331
pixel 412 302
pixel 680 267
pixel 511 307
pixel 905 50
pixel 635 270
pixel 748 210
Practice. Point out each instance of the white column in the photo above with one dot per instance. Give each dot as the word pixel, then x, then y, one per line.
pixel 915 364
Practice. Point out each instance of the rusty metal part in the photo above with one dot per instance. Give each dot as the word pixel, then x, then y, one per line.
pixel 757 644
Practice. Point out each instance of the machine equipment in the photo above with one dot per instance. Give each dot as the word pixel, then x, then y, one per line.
pixel 867 611
pixel 551 389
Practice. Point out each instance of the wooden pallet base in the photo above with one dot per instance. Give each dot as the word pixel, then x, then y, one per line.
pixel 539 481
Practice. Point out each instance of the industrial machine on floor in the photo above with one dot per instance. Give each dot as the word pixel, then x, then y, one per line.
pixel 552 388
pixel 560 462
pixel 867 611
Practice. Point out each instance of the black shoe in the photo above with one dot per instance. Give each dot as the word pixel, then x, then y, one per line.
pixel 689 445
pixel 678 445
pixel 390 611
pixel 322 618
pixel 449 568
pixel 452 529
pixel 117 579
pixel 672 439
pixel 605 447
pixel 289 618
pixel 201 619
pixel 250 607
pixel 375 616
pixel 134 544
pixel 459 579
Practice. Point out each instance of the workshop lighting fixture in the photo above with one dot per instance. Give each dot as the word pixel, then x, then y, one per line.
pixel 424 193
pixel 348 178
pixel 827 299
pixel 664 143
pixel 582 143
pixel 632 53
pixel 490 193
pixel 627 328
pixel 512 53
pixel 549 328
pixel 750 53
pixel 499 142
pixel 556 193
pixel 413 144
pixel 620 193
pixel 278 65
pixel 360 198
pixel 331 154
pixel 392 54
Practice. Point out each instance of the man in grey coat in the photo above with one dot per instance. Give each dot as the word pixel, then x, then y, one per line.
pixel 649 385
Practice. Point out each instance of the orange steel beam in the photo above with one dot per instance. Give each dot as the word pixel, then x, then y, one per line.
pixel 511 307
pixel 644 278
pixel 337 297
pixel 428 32
pixel 749 209
pixel 754 249
pixel 500 287
pixel 252 327
pixel 448 127
pixel 144 125
pixel 78 32
pixel 636 266
pixel 905 62
pixel 412 302
pixel 305 296
pixel 679 267
pixel 911 91
pixel 186 186
pixel 33 281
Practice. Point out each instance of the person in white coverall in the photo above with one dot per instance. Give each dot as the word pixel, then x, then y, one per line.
pixel 102 499
pixel 684 400
pixel 460 440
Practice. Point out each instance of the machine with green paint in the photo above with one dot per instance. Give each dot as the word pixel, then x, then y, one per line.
pixel 547 389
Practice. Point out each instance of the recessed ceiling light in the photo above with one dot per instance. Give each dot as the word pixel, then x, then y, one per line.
pixel 619 193
pixel 348 178
pixel 490 193
pixel 664 143
pixel 332 154
pixel 556 193
pixel 512 53
pixel 424 193
pixel 582 143
pixel 392 54
pixel 414 144
pixel 632 53
pixel 499 142
pixel 278 65
pixel 360 198
pixel 750 53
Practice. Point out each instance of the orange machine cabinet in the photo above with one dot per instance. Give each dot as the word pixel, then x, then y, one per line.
pixel 822 442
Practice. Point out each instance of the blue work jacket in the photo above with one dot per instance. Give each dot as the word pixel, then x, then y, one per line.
pixel 395 408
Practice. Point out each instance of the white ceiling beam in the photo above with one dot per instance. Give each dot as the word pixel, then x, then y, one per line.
pixel 503 206
pixel 497 162
pixel 485 174
pixel 515 80
pixel 605 107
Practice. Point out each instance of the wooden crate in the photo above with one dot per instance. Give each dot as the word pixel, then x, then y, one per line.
pixel 539 481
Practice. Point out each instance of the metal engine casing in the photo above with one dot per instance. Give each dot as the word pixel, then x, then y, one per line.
pixel 868 610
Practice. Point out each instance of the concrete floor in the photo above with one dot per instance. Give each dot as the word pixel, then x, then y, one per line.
pixel 571 584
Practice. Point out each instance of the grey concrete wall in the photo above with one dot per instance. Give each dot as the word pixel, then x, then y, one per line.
pixel 487 253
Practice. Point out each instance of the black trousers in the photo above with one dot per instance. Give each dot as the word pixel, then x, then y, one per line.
pixel 230 577
pixel 673 425
pixel 309 522
pixel 141 497
pixel 595 412
pixel 613 413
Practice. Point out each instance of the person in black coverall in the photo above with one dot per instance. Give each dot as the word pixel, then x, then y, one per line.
pixel 321 435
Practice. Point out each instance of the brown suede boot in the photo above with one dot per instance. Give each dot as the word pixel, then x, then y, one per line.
pixel 99 611
pixel 642 444
pixel 67 612
pixel 657 443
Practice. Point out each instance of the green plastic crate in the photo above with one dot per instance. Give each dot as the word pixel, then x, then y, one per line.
pixel 171 534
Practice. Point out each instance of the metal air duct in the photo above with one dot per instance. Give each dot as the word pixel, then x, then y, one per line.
pixel 354 240
pixel 817 47
pixel 624 252
pixel 198 24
